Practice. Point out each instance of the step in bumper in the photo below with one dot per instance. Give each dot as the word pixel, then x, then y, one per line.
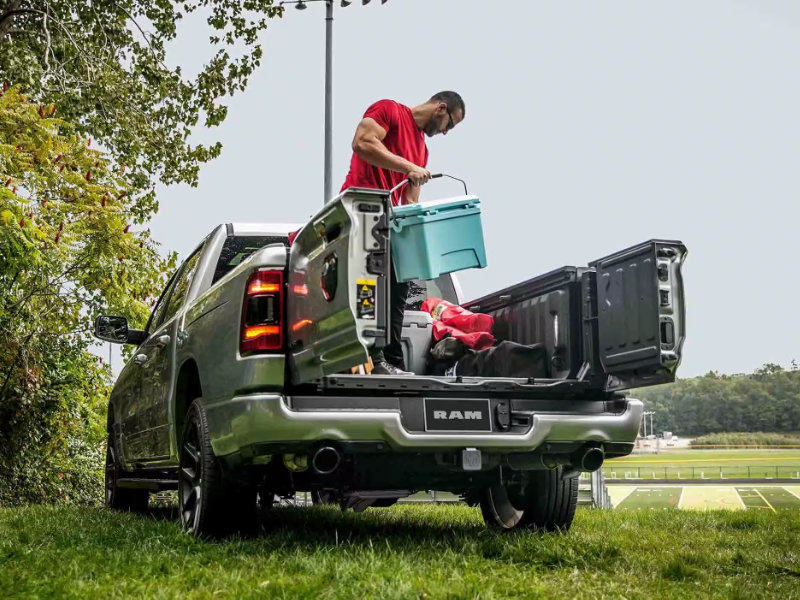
pixel 257 419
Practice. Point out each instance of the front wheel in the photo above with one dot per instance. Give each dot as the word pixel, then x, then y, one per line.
pixel 121 498
pixel 210 504
pixel 544 500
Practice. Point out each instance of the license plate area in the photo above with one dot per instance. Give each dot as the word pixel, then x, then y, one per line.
pixel 457 415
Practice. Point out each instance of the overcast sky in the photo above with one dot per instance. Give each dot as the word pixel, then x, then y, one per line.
pixel 590 126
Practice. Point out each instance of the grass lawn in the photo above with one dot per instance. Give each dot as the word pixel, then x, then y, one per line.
pixel 410 551
pixel 646 497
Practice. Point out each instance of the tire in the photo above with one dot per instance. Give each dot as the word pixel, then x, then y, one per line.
pixel 117 498
pixel 324 497
pixel 546 502
pixel 210 504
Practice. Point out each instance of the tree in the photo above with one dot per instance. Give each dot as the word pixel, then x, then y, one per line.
pixel 767 400
pixel 69 249
pixel 72 241
pixel 103 65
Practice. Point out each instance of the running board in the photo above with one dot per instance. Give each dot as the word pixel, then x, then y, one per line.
pixel 142 483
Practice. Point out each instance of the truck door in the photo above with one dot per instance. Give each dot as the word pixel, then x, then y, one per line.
pixel 641 323
pixel 338 285
pixel 156 357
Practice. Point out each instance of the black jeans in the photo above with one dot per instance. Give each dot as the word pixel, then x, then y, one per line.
pixel 393 352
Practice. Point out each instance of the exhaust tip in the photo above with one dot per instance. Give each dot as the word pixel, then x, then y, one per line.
pixel 326 460
pixel 592 459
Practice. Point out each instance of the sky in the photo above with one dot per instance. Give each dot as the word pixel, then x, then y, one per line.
pixel 590 127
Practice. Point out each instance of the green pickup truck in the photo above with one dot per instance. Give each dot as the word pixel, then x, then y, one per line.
pixel 240 390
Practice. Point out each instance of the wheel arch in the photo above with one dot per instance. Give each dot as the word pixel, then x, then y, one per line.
pixel 188 386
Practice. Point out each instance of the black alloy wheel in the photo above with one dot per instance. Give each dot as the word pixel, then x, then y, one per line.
pixel 117 498
pixel 324 497
pixel 499 510
pixel 210 503
pixel 190 488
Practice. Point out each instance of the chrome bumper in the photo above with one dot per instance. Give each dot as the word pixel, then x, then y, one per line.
pixel 245 421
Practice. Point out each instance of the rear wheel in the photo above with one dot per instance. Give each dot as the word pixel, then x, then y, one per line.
pixel 544 500
pixel 210 503
pixel 324 497
pixel 121 498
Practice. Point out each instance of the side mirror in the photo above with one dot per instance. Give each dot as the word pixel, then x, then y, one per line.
pixel 111 328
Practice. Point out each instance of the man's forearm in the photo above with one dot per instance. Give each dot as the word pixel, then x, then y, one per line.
pixel 411 194
pixel 376 154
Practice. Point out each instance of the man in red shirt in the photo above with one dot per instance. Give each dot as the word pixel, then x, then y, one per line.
pixel 389 146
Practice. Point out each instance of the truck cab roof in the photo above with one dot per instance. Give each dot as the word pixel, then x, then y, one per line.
pixel 269 229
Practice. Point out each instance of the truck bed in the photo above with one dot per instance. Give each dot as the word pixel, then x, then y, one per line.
pixel 588 352
pixel 544 310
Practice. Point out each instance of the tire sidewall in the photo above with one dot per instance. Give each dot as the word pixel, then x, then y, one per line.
pixel 548 503
pixel 193 421
pixel 110 479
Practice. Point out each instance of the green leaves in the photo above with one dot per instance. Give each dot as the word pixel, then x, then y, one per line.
pixel 67 252
pixel 72 236
pixel 104 65
pixel 767 400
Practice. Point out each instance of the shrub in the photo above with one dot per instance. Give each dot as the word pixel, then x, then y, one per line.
pixel 743 438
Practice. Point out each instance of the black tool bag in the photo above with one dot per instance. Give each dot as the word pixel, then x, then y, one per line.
pixel 506 359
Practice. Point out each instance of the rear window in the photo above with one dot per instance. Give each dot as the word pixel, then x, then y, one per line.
pixel 441 287
pixel 238 248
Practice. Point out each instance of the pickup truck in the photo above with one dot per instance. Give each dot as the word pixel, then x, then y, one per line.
pixel 242 391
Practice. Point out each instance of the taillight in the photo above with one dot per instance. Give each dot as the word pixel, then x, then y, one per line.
pixel 262 313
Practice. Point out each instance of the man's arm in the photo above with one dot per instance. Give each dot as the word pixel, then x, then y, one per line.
pixel 368 145
pixel 411 194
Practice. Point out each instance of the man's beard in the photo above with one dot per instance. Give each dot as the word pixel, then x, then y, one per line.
pixel 432 127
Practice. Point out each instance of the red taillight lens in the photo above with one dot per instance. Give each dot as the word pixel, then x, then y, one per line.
pixel 262 313
pixel 259 287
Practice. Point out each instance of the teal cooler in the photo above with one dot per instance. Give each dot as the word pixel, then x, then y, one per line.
pixel 438 237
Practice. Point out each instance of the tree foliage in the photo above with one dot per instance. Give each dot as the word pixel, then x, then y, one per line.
pixel 766 401
pixel 69 249
pixel 103 65
pixel 72 236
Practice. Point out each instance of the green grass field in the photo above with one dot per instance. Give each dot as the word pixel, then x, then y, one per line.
pixel 408 551
pixel 708 464
pixel 705 497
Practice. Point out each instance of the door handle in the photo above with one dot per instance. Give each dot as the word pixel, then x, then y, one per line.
pixel 140 359
pixel 162 341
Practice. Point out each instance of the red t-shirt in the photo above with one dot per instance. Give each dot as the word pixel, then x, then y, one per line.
pixel 403 138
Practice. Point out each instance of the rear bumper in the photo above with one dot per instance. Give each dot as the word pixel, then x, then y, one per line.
pixel 263 419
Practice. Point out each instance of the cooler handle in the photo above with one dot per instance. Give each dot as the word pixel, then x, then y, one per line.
pixel 395 225
pixel 434 176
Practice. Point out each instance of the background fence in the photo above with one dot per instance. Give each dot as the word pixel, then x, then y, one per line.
pixel 708 472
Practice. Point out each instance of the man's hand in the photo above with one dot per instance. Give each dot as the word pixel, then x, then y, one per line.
pixel 418 175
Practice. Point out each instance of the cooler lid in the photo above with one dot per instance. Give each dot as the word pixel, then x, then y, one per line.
pixel 435 206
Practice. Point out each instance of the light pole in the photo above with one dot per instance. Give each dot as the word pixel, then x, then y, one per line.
pixel 644 422
pixel 302 5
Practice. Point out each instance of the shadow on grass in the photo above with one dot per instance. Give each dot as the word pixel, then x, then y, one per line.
pixel 432 530
pixel 327 526
pixel 317 524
